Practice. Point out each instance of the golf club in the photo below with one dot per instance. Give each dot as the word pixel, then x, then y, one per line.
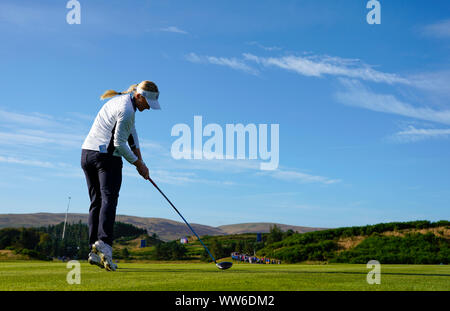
pixel 221 265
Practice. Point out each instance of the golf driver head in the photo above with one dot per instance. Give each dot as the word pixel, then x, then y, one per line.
pixel 224 265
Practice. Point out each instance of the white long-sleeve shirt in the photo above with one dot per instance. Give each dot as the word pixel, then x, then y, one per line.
pixel 113 128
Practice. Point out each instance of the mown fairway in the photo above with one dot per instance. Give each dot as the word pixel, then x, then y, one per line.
pixel 36 275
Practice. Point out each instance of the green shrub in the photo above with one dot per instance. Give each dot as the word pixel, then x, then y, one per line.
pixel 410 249
pixel 170 251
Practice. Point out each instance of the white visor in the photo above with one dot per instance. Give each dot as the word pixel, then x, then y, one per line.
pixel 151 97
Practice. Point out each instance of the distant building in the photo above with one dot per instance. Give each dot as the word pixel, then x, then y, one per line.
pixel 143 243
pixel 258 237
pixel 184 240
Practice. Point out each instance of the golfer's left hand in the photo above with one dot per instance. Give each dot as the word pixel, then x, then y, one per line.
pixel 143 170
pixel 146 173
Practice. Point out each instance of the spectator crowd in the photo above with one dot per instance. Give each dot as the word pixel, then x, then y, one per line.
pixel 253 259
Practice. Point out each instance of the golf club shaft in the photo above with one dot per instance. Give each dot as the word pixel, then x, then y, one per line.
pixel 183 219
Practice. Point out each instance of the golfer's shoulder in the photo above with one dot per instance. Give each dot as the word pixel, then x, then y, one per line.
pixel 122 106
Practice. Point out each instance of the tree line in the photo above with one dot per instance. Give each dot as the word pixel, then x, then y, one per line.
pixel 414 248
pixel 46 243
pixel 289 246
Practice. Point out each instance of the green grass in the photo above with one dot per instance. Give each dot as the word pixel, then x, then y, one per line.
pixel 182 276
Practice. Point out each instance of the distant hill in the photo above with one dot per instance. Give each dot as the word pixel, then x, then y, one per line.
pixel 263 227
pixel 166 229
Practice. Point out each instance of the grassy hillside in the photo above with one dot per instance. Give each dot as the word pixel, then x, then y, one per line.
pixel 37 219
pixel 166 229
pixel 408 242
pixel 263 227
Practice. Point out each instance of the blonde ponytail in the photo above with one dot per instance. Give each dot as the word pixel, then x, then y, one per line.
pixel 145 85
pixel 112 93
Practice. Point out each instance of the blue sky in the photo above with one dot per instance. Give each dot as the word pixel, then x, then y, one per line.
pixel 363 110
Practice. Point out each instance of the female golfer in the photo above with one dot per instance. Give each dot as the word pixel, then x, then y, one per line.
pixel 101 160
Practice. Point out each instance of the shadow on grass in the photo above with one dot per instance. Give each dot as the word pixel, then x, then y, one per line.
pixel 131 270
pixel 365 273
pixel 213 270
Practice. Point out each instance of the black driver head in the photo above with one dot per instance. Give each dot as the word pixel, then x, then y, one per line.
pixel 224 265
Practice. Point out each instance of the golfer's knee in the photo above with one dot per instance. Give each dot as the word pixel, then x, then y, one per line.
pixel 109 194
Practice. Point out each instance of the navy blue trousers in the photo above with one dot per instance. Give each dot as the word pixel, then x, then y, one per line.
pixel 104 177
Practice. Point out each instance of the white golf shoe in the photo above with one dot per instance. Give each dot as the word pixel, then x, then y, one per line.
pixel 95 259
pixel 105 252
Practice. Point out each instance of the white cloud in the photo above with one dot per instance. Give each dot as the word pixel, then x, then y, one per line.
pixel 222 61
pixel 27 162
pixel 152 146
pixel 37 137
pixel 82 116
pixel 31 119
pixel 230 62
pixel 324 65
pixel 174 29
pixel 435 82
pixel 174 177
pixel 41 141
pixel 439 29
pixel 290 175
pixel 193 58
pixel 317 66
pixel 430 87
pixel 413 134
pixel 358 95
pixel 37 130
pixel 266 48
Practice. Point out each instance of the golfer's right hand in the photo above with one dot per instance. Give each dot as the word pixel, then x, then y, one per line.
pixel 142 169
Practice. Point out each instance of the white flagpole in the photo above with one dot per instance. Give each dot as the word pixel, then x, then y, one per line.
pixel 65 220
